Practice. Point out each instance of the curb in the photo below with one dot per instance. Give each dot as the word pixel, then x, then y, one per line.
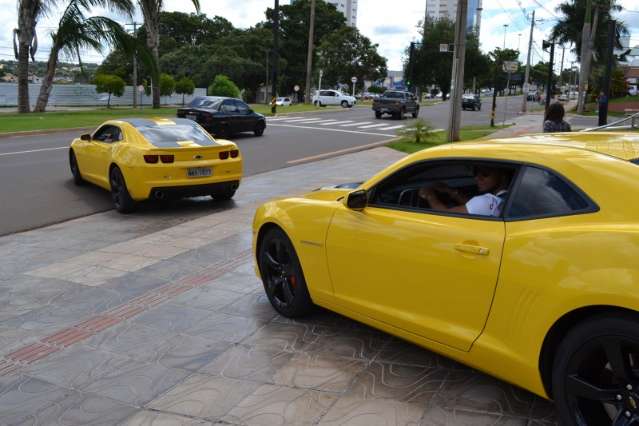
pixel 44 132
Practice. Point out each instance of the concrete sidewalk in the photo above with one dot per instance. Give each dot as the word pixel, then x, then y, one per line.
pixel 534 123
pixel 113 319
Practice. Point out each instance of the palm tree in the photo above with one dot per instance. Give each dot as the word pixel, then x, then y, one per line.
pixel 76 31
pixel 151 12
pixel 29 11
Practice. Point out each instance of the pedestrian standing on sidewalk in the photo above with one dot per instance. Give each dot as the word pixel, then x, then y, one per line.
pixel 554 121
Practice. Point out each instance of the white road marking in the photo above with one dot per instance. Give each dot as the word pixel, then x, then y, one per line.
pixel 370 126
pixel 392 127
pixel 291 120
pixel 32 150
pixel 355 124
pixel 305 120
pixel 337 122
pixel 328 129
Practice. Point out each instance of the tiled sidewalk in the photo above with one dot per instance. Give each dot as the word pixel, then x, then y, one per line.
pixel 138 320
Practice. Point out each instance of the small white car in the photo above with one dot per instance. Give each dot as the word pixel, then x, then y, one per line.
pixel 333 97
pixel 283 102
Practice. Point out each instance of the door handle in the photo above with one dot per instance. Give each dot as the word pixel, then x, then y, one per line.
pixel 472 249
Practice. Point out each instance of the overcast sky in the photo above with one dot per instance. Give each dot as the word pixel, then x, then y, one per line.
pixel 391 24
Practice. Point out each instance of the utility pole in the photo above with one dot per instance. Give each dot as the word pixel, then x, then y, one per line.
pixel 524 103
pixel 603 107
pixel 586 54
pixel 457 81
pixel 276 54
pixel 309 55
pixel 551 65
pixel 411 67
pixel 135 67
pixel 561 69
pixel 268 53
pixel 505 31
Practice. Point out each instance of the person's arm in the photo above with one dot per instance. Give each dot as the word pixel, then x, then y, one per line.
pixel 435 203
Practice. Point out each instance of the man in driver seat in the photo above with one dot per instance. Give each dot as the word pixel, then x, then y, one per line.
pixel 492 183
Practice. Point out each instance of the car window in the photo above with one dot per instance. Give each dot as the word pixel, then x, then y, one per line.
pixel 169 136
pixel 229 107
pixel 326 93
pixel 241 107
pixel 394 95
pixel 196 102
pixel 454 182
pixel 108 134
pixel 542 193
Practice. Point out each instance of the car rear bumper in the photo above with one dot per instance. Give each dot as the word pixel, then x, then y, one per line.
pixel 169 192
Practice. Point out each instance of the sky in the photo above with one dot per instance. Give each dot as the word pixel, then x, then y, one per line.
pixel 392 25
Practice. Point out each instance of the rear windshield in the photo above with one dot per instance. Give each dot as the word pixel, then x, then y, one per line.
pixel 394 95
pixel 168 136
pixel 635 161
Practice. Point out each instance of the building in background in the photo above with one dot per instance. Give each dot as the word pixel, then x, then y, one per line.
pixel 439 9
pixel 348 8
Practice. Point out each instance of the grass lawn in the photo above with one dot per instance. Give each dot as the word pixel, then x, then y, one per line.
pixel 266 109
pixel 467 133
pixel 13 122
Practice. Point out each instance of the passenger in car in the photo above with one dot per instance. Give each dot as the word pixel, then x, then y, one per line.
pixel 492 183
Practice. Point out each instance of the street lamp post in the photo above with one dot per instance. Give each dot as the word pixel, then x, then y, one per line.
pixel 505 30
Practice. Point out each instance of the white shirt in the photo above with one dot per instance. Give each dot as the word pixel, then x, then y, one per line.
pixel 485 205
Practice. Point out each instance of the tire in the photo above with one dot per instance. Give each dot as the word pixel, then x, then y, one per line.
pixel 122 200
pixel 316 103
pixel 595 379
pixel 75 169
pixel 259 129
pixel 344 104
pixel 282 275
pixel 223 195
pixel 378 115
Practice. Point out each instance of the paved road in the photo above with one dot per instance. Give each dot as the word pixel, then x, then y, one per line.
pixel 36 189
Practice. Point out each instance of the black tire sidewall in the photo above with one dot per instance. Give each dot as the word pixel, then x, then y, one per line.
pixel 75 172
pixel 617 325
pixel 302 304
pixel 127 205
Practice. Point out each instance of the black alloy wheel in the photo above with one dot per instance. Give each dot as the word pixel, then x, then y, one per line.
pixel 75 169
pixel 282 275
pixel 119 193
pixel 259 129
pixel 596 373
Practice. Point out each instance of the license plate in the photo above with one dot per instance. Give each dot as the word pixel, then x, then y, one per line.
pixel 199 172
pixel 191 117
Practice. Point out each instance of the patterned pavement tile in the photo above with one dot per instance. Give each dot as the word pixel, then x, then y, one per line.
pixel 437 416
pixel 239 282
pixel 280 405
pixel 219 327
pixel 133 284
pixel 405 353
pixel 204 396
pixel 24 293
pixel 208 297
pixel 246 363
pixel 252 305
pixel 153 418
pixel 170 317
pixel 351 410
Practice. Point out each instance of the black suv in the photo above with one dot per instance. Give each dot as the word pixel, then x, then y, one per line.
pixel 396 104
pixel 472 102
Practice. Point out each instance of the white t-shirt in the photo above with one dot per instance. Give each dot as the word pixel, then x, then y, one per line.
pixel 485 205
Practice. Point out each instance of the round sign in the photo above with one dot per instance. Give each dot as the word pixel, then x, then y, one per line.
pixel 140 88
pixel 296 88
pixel 354 80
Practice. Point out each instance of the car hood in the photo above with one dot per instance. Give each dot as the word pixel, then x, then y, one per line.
pixel 332 192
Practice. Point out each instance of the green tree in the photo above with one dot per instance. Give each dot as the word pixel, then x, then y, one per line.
pixel 376 89
pixel 346 53
pixel 167 85
pixel 184 86
pixel 431 66
pixel 498 57
pixel 151 12
pixel 111 84
pixel 75 31
pixel 223 86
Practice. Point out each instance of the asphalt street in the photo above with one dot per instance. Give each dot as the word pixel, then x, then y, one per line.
pixel 37 189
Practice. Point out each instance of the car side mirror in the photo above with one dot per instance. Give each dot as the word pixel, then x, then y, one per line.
pixel 86 137
pixel 357 200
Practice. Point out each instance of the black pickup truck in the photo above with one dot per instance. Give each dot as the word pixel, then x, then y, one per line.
pixel 397 104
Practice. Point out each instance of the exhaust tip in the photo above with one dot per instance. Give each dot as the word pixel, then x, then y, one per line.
pixel 159 195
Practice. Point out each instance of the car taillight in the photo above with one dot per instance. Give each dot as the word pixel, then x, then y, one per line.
pixel 224 155
pixel 167 158
pixel 235 153
pixel 151 159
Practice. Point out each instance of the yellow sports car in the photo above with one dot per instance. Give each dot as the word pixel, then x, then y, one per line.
pixel 137 159
pixel 518 257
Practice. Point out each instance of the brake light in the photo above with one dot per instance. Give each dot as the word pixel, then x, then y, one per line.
pixel 151 159
pixel 224 155
pixel 167 158
pixel 235 153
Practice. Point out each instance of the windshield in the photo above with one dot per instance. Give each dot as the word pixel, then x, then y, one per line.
pixel 168 136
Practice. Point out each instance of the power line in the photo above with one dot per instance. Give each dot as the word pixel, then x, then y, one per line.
pixel 544 8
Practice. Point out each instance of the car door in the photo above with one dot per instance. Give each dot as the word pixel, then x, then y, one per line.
pixel 429 273
pixel 98 153
pixel 227 122
pixel 245 121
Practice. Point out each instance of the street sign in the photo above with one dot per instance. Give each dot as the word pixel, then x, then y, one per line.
pixel 354 80
pixel 443 48
pixel 511 66
pixel 296 88
pixel 141 88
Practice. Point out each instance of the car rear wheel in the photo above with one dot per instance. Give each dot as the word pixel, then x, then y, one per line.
pixel 344 104
pixel 259 129
pixel 75 169
pixel 282 275
pixel 596 373
pixel 119 193
pixel 378 115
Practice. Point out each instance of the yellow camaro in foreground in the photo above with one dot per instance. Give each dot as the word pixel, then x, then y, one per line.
pixel 137 159
pixel 518 257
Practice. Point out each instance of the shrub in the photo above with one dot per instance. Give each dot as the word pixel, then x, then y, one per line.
pixel 167 85
pixel 419 133
pixel 224 86
pixel 184 86
pixel 111 84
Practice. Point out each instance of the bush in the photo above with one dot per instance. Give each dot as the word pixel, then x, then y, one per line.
pixel 111 84
pixel 224 86
pixel 167 85
pixel 420 132
pixel 184 86
pixel 376 89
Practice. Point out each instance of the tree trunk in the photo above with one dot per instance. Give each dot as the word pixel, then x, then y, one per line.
pixel 109 101
pixel 26 25
pixel 153 43
pixel 47 84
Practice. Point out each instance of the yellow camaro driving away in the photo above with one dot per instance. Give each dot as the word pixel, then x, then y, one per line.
pixel 137 159
pixel 518 257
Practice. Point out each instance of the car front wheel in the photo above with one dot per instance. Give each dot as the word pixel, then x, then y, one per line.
pixel 75 169
pixel 122 200
pixel 344 104
pixel 259 129
pixel 596 373
pixel 378 115
pixel 282 275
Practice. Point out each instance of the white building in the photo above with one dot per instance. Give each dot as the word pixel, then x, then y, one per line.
pixel 348 8
pixel 439 9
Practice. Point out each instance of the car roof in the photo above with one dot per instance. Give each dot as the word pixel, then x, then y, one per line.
pixel 155 121
pixel 624 146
